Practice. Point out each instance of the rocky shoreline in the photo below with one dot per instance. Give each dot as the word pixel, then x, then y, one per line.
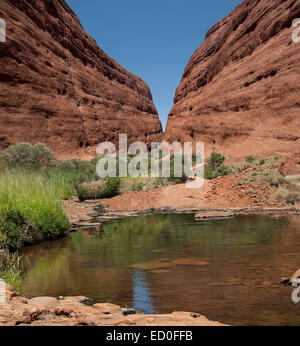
pixel 72 311
pixel 95 214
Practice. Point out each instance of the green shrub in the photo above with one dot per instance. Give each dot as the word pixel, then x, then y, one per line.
pixel 262 162
pixel 27 155
pixel 71 174
pixel 83 193
pixel 208 173
pixel 80 171
pixel 223 170
pixel 215 161
pixel 250 159
pixel 112 187
pixel 13 229
pixel 215 166
pixel 43 156
pixel 138 186
pixel 87 169
pixel 177 180
pixel 159 181
pixel 94 161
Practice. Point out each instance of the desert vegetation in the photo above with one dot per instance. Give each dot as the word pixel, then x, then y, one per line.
pixel 215 166
pixel 288 196
pixel 32 185
pixel 263 172
pixel 10 270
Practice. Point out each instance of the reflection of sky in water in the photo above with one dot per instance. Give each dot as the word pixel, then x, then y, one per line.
pixel 141 293
pixel 228 270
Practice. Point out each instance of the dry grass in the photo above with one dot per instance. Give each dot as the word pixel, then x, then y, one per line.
pixel 287 196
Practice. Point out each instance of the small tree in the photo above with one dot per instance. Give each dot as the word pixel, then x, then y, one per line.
pixel 216 161
pixel 215 166
pixel 249 159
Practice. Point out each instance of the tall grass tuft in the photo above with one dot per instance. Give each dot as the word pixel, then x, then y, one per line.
pixel 10 271
pixel 30 208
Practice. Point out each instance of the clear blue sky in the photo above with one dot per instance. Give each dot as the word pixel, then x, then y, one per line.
pixel 154 39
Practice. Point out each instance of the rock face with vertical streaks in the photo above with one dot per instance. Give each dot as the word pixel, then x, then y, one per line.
pixel 240 91
pixel 58 87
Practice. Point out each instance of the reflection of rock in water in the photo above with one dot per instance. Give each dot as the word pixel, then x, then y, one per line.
pixel 159 250
pixel 151 265
pixel 91 230
pixel 191 262
pixel 240 255
pixel 162 263
pixel 141 293
pixel 160 271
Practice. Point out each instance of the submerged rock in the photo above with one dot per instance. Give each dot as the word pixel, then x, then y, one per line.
pixel 214 215
pixel 191 262
pixel 152 265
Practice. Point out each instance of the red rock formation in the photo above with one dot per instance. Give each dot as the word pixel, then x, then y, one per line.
pixel 58 87
pixel 240 92
pixel 290 166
